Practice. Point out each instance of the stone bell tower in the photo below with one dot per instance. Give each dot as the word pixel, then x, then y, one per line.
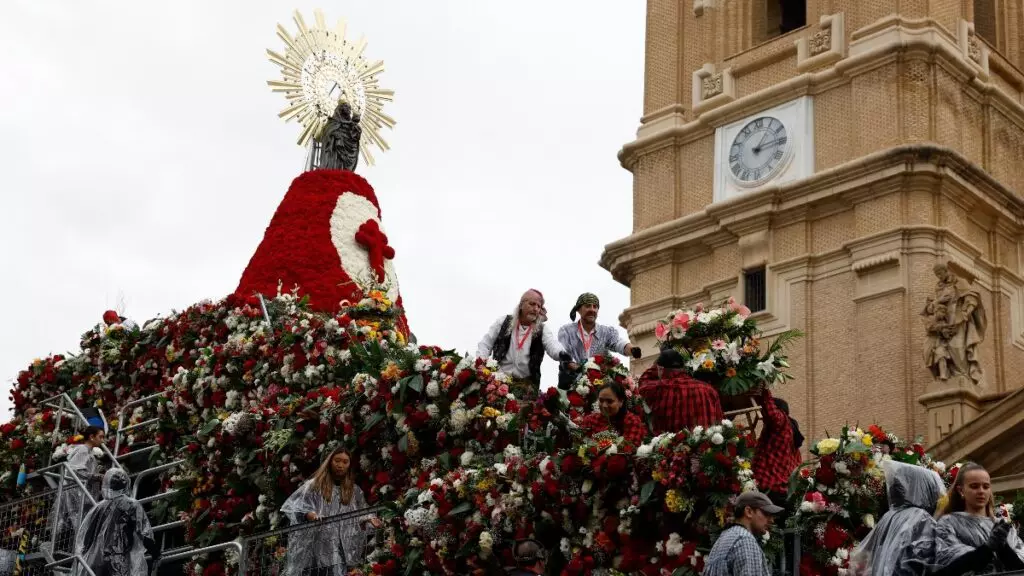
pixel 816 159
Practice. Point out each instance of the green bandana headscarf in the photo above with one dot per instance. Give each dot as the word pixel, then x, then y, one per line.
pixel 583 300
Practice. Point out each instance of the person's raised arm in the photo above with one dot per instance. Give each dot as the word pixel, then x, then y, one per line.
pixel 483 349
pixel 774 417
pixel 553 347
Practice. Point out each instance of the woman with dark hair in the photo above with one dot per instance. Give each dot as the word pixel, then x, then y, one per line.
pixel 329 492
pixel 614 416
pixel 968 537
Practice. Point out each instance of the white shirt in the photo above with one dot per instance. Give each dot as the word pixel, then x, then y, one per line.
pixel 517 361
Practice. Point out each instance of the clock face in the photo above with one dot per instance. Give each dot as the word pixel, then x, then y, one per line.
pixel 759 151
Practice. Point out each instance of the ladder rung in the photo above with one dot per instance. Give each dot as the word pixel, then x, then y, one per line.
pixel 139 425
pixel 160 496
pixel 139 451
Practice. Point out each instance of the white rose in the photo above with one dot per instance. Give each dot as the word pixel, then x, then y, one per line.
pixel 467 457
pixel 433 389
pixel 717 438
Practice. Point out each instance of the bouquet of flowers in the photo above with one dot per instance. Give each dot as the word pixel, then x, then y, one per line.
pixel 722 346
pixel 694 474
pixel 838 496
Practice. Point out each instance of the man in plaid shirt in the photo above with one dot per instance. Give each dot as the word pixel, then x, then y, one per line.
pixel 776 456
pixel 676 399
pixel 736 552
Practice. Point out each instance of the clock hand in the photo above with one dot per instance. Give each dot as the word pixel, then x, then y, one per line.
pixel 757 148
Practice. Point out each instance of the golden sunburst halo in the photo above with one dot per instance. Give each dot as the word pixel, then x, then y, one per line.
pixel 320 68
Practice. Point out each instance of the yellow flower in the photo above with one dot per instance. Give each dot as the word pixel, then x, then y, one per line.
pixel 709 364
pixel 745 464
pixel 674 501
pixel 828 446
pixel 489 412
pixel 720 514
pixel 99 402
pixel 656 476
pixel 866 440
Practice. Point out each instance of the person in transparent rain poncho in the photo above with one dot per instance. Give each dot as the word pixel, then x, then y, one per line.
pixel 326 549
pixel 73 504
pixel 116 534
pixel 900 544
pixel 968 536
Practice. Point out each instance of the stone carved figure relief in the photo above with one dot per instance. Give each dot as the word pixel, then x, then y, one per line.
pixel 955 323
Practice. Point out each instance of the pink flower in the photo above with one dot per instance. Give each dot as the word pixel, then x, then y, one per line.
pixel 503 390
pixel 682 320
pixel 719 344
pixel 743 311
pixel 660 331
pixel 699 307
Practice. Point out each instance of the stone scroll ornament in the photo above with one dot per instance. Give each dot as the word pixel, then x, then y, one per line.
pixel 955 326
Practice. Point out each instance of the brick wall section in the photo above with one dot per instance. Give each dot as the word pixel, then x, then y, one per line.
pixel 661 70
pixel 654 189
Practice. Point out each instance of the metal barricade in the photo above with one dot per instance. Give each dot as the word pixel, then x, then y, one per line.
pixel 787 563
pixel 27 518
pixel 327 546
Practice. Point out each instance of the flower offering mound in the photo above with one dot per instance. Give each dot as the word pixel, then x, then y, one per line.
pixel 722 346
pixel 837 497
pixel 326 238
pixel 252 406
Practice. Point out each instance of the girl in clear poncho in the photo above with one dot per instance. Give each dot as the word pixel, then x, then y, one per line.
pixel 968 537
pixel 116 534
pixel 900 544
pixel 328 548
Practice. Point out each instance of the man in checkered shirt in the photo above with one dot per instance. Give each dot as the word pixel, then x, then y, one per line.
pixel 736 552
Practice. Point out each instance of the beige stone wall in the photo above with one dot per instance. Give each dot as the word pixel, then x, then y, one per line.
pixel 849 255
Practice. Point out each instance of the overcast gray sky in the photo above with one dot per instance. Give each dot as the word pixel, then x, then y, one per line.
pixel 141 154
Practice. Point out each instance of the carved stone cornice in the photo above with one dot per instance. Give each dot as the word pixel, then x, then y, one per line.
pixel 837 187
pixel 988 438
pixel 880 42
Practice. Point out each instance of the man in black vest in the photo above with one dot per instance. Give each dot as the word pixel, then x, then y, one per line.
pixel 517 342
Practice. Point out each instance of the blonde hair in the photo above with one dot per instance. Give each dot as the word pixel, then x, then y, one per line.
pixel 954 501
pixel 323 478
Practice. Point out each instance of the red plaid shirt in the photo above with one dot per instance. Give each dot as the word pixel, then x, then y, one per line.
pixel 679 401
pixel 776 456
pixel 633 430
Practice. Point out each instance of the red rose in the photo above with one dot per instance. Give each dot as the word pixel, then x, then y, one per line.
pixel 570 464
pixel 835 537
pixel 575 399
pixel 17 444
pixel 825 475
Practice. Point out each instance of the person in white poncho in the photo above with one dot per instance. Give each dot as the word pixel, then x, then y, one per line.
pixel 968 536
pixel 116 534
pixel 329 548
pixel 82 463
pixel 901 544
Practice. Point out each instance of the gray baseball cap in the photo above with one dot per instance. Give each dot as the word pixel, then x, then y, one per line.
pixel 759 501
